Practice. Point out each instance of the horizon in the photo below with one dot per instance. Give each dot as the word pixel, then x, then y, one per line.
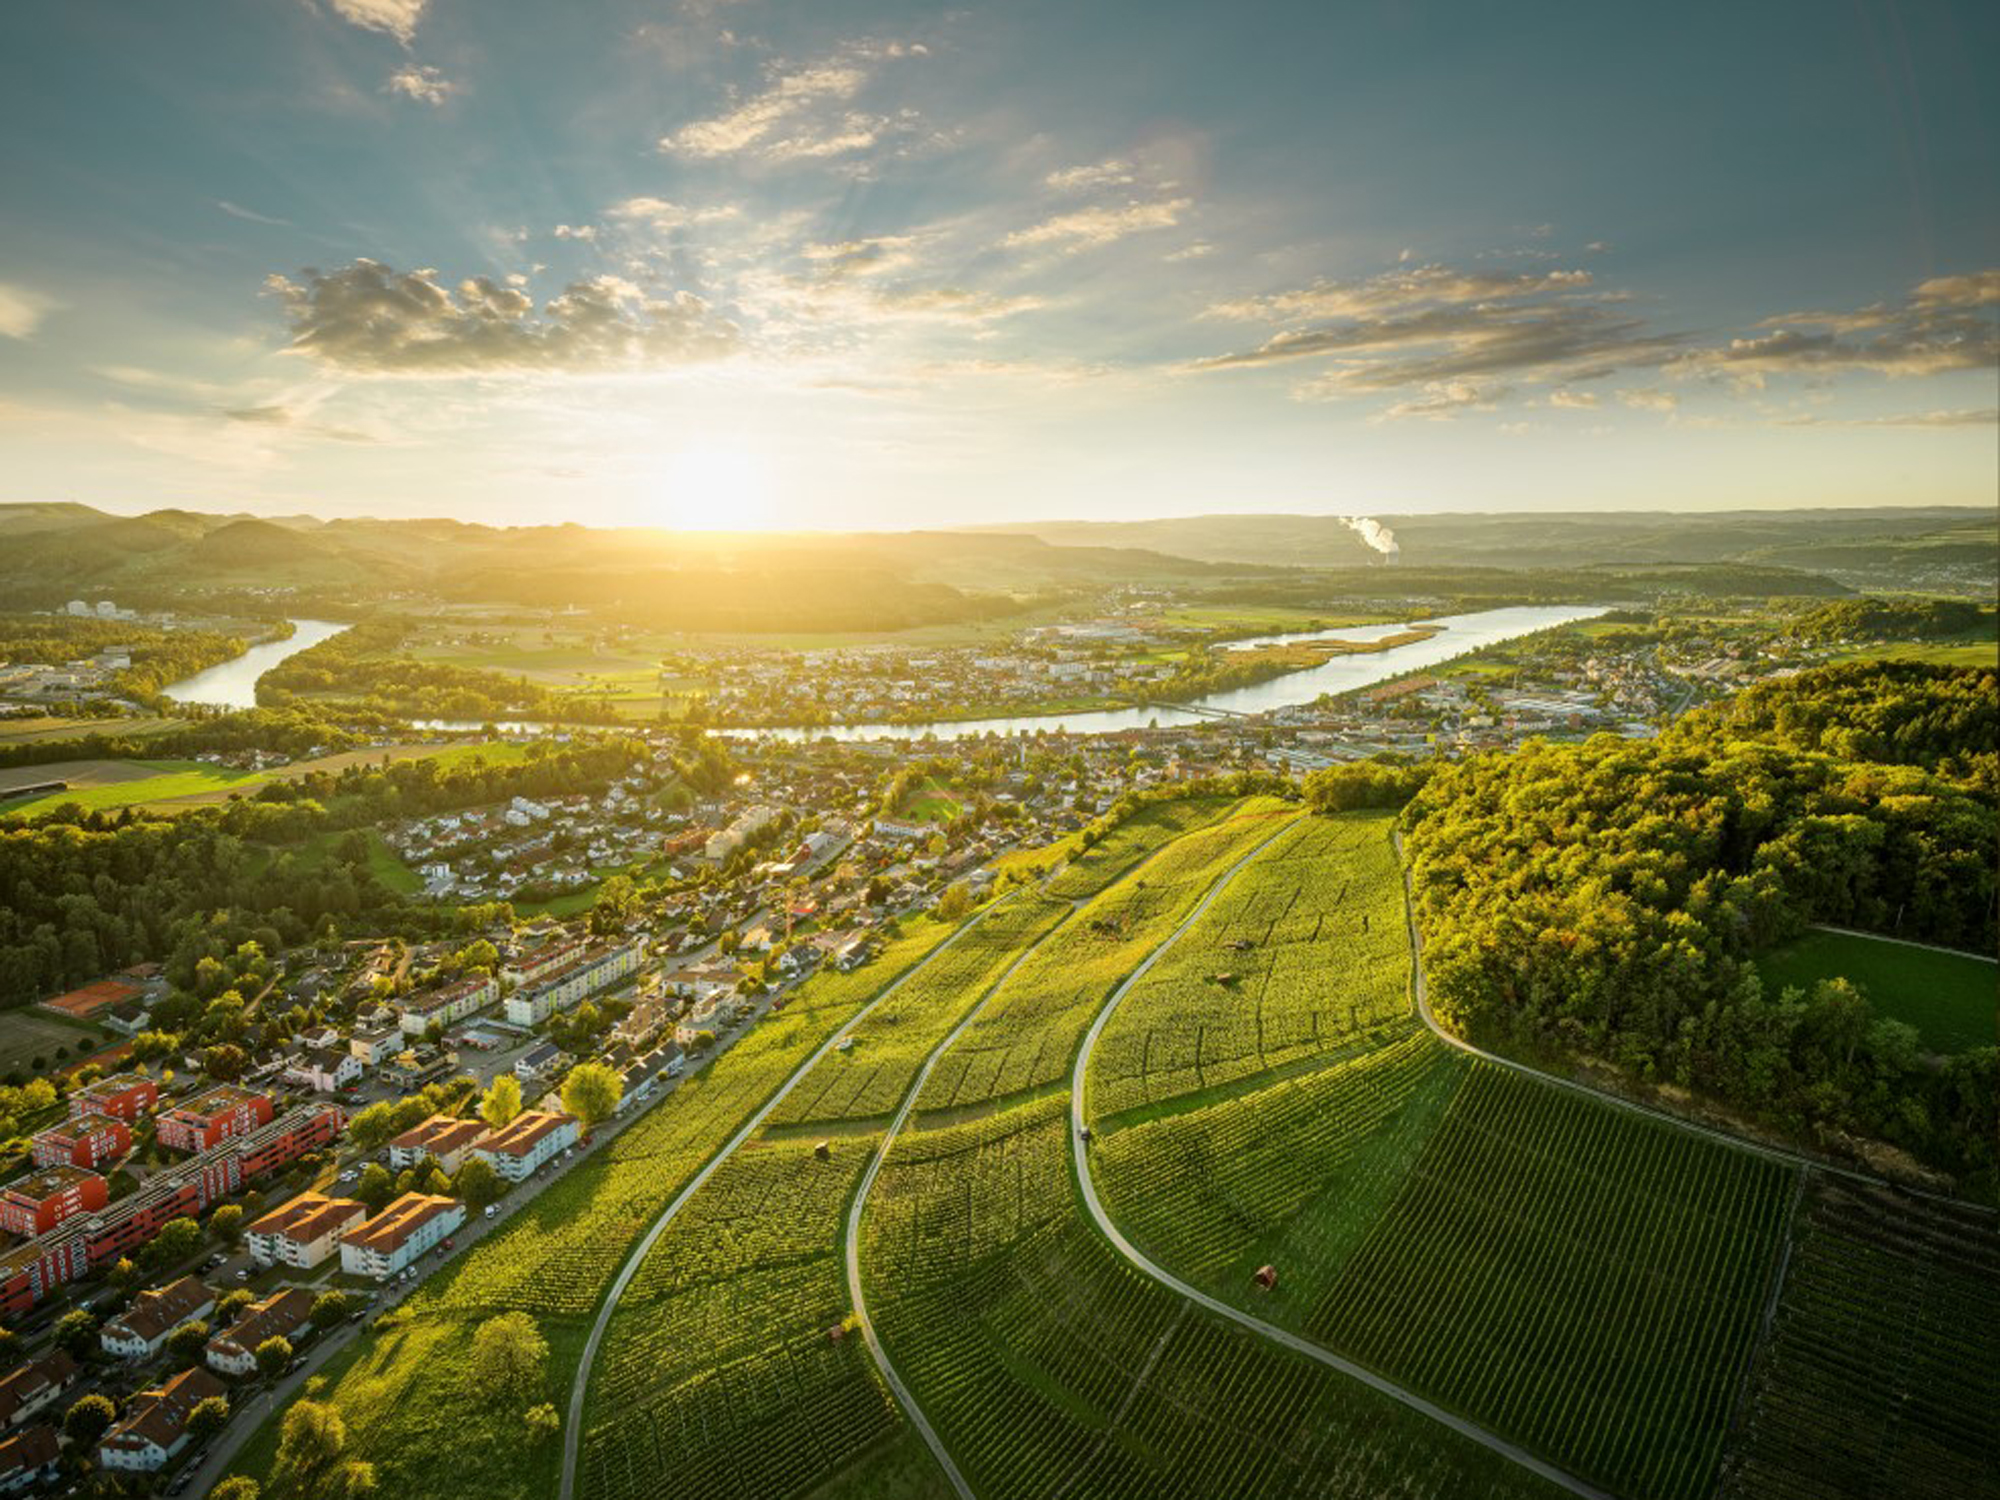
pixel 724 265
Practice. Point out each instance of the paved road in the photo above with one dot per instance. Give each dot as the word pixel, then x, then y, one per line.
pixel 573 1424
pixel 1079 1146
pixel 853 1246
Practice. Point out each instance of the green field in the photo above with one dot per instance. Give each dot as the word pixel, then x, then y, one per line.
pixel 1949 997
pixel 720 1356
pixel 169 784
pixel 1048 1364
pixel 26 1035
pixel 1570 1275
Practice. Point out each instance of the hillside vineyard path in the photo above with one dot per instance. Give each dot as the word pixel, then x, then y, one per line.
pixel 1079 1150
pixel 573 1426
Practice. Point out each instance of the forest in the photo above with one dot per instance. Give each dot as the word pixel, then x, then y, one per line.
pixel 363 670
pixel 1605 901
pixel 158 656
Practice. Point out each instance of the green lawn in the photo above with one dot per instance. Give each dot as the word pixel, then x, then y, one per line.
pixel 1948 997
pixel 26 1035
pixel 171 778
pixel 1938 653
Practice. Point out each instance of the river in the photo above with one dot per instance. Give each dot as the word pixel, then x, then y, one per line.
pixel 233 684
pixel 1456 636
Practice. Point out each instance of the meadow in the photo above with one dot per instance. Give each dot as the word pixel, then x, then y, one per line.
pixel 1948 997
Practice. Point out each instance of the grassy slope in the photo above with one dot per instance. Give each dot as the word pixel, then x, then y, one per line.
pixel 1047 1363
pixel 1565 1273
pixel 1948 997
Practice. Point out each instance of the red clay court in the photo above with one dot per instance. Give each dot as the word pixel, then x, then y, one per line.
pixel 86 1001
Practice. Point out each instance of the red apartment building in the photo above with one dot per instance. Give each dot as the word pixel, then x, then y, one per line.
pixel 35 1205
pixel 213 1116
pixel 82 1141
pixel 122 1096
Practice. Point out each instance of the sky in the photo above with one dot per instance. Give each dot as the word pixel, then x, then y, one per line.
pixel 727 264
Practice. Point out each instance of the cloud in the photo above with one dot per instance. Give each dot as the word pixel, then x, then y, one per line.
pixel 422 83
pixel 864 282
pixel 1573 400
pixel 1441 400
pixel 372 319
pixel 22 311
pixel 1650 398
pixel 1399 291
pixel 801 115
pixel 661 216
pixel 1091 228
pixel 576 232
pixel 250 215
pixel 1939 328
pixel 286 417
pixel 397 17
pixel 1116 172
pixel 1546 341
pixel 1985 416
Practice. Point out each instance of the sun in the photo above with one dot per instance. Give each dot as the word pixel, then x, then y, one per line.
pixel 711 486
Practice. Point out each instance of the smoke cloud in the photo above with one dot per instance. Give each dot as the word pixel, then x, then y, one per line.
pixel 1376 535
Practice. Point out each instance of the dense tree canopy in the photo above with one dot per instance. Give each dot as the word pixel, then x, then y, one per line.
pixel 1606 900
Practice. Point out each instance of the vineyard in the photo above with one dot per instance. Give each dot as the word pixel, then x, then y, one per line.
pixel 1050 1365
pixel 730 1366
pixel 1578 1278
pixel 1882 1372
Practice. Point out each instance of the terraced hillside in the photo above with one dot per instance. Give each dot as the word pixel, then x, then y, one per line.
pixel 1571 1275
pixel 1047 1363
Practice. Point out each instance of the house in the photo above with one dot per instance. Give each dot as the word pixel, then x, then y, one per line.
pixel 36 1204
pixel 395 1237
pixel 753 820
pixel 282 1315
pixel 122 1096
pixel 303 1232
pixel 536 964
pixel 899 828
pixel 417 1068
pixel 537 1062
pixel 141 1331
pixel 447 1006
pixel 29 1389
pixel 86 1141
pixel 324 1070
pixel 214 1115
pixel 699 982
pixel 440 1139
pixel 155 1425
pixel 707 1015
pixel 376 1043
pixel 526 1142
pixel 29 1459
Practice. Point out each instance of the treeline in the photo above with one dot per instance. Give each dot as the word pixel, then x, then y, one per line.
pixel 1891 620
pixel 1606 900
pixel 292 732
pixel 364 669
pixel 1464 588
pixel 1946 719
pixel 85 893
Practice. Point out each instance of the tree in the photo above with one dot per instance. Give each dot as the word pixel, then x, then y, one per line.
pixel 208 1418
pixel 502 1101
pixel 376 1186
pixel 186 1342
pixel 478 1184
pixel 225 1063
pixel 612 911
pixel 954 903
pixel 227 1222
pixel 312 1462
pixel 328 1309
pixel 510 1358
pixel 591 1093
pixel 543 1422
pixel 236 1487
pixel 88 1420
pixel 76 1333
pixel 176 1241
pixel 273 1355
pixel 232 1303
pixel 372 1127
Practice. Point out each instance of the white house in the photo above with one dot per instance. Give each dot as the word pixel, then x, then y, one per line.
pixel 526 1142
pixel 154 1428
pixel 142 1330
pixel 303 1232
pixel 395 1237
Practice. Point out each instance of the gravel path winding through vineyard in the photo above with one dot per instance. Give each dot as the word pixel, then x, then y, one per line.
pixel 1080 1150
pixel 853 1246
pixel 573 1425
